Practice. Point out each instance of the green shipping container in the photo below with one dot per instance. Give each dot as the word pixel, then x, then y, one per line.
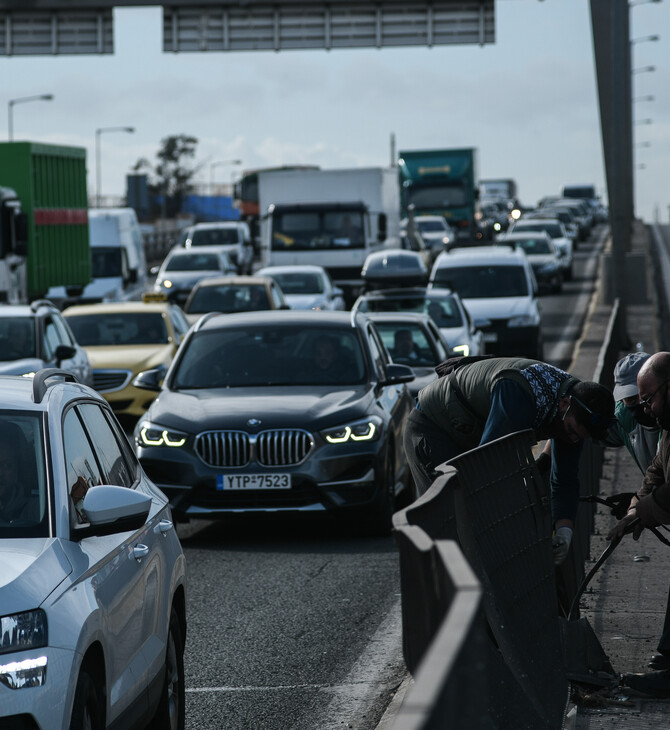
pixel 50 181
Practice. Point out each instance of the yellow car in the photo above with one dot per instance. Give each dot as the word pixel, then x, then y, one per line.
pixel 121 340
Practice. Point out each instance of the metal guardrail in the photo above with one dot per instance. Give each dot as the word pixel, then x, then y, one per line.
pixel 493 502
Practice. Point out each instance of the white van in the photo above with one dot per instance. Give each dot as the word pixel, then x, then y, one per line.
pixel 118 264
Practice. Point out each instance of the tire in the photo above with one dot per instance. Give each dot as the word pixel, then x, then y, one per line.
pixel 88 708
pixel 171 711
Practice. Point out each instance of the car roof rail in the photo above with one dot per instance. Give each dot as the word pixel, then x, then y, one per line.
pixel 37 303
pixel 40 378
pixel 205 318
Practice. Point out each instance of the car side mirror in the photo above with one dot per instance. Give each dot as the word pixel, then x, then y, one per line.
pixel 64 352
pixel 150 379
pixel 396 373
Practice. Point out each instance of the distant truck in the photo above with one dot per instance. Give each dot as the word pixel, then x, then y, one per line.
pixel 580 192
pixel 442 182
pixel 331 218
pixel 44 238
pixel 502 189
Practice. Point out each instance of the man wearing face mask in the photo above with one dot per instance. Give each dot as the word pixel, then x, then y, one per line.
pixel 651 507
pixel 635 429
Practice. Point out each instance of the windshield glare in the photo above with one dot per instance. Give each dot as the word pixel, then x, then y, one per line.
pixel 271 356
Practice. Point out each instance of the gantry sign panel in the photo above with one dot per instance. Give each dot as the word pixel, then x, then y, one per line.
pixel 55 32
pixel 53 27
pixel 278 27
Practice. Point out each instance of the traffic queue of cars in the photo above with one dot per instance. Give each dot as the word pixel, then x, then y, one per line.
pixel 260 395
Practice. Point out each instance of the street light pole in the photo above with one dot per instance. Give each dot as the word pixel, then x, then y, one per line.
pixel 216 164
pixel 98 166
pixel 22 100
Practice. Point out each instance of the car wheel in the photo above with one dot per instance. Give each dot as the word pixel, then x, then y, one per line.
pixel 171 711
pixel 380 516
pixel 88 708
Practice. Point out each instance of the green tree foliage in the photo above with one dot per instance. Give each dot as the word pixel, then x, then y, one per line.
pixel 171 175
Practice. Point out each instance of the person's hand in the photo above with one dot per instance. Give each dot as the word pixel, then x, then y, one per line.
pixel 625 525
pixel 561 544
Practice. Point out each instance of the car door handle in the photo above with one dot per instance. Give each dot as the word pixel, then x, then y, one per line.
pixel 139 551
pixel 164 526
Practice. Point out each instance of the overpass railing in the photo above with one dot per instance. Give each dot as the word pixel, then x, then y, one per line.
pixel 514 643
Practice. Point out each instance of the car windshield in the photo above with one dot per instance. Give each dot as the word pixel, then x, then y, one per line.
pixel 17 338
pixel 308 230
pixel 444 311
pixel 409 344
pixel 119 328
pixel 484 281
pixel 533 245
pixel 227 298
pixel 23 487
pixel 431 226
pixel 106 262
pixel 299 282
pixel 261 355
pixel 193 262
pixel 439 196
pixel 214 237
pixel 551 229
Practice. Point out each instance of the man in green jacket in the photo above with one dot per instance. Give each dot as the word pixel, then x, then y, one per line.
pixel 485 399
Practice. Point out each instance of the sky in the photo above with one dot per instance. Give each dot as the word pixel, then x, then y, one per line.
pixel 527 102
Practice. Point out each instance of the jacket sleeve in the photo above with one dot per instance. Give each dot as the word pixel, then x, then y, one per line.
pixel 654 477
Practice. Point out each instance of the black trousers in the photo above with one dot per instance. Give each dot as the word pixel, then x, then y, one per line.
pixel 426 446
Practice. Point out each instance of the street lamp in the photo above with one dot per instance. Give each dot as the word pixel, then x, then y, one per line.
pixel 22 100
pixel 217 164
pixel 98 169
pixel 646 38
pixel 644 121
pixel 643 69
pixel 648 97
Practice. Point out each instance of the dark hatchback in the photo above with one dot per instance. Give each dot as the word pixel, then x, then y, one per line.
pixel 279 411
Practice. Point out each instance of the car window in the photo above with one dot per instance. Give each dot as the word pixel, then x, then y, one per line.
pixel 119 328
pixel 215 237
pixel 443 309
pixel 408 343
pixel 276 296
pixel 23 490
pixel 52 338
pixel 380 354
pixel 179 321
pixel 63 331
pixel 194 262
pixel 84 469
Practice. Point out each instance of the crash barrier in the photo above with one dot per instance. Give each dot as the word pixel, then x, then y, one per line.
pixel 493 501
pixel 532 649
pixel 457 653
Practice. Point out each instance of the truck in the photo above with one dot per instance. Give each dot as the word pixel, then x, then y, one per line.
pixel 43 220
pixel 502 189
pixel 442 182
pixel 329 217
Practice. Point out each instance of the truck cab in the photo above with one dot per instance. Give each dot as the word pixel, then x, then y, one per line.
pixel 13 248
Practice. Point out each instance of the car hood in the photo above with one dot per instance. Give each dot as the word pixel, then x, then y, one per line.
pixel 129 357
pixel 310 407
pixel 19 367
pixel 497 307
pixel 30 569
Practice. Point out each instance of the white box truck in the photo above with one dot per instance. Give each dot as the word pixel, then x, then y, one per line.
pixel 331 218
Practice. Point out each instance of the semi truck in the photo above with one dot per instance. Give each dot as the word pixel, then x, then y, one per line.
pixel 332 218
pixel 442 182
pixel 43 220
pixel 502 189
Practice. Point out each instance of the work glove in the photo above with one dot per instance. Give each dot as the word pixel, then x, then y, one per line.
pixel 543 463
pixel 561 544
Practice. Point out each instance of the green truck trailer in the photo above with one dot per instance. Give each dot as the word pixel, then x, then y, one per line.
pixel 442 182
pixel 44 236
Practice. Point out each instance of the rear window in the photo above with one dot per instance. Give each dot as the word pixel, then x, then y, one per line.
pixel 444 311
pixel 484 281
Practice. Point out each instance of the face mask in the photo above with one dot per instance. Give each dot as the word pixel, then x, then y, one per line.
pixel 641 416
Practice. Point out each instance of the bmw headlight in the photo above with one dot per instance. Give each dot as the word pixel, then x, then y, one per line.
pixel 462 350
pixel 153 434
pixel 525 320
pixel 366 429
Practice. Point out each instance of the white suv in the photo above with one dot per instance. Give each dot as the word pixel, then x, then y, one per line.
pixel 93 579
pixel 232 236
pixel 498 287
